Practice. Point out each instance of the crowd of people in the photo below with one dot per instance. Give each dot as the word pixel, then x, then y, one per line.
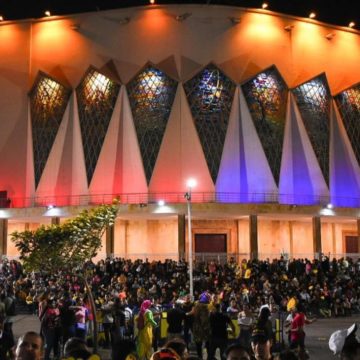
pixel 132 296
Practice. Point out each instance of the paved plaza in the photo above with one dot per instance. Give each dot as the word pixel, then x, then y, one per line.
pixel 317 337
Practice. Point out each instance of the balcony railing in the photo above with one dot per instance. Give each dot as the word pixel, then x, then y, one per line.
pixel 178 197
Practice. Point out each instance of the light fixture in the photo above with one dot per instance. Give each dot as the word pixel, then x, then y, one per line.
pixel 329 206
pixel 265 5
pixel 235 20
pixel 50 206
pixel 289 27
pixel 330 36
pixel 47 13
pixel 152 2
pixel 312 15
pixel 1 18
pixel 161 202
pixel 351 24
pixel 191 183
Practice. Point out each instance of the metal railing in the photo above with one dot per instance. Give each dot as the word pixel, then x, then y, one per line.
pixel 178 197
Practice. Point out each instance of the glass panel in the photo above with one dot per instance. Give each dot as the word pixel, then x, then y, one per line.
pixel 266 96
pixel 348 103
pixel 151 94
pixel 48 100
pixel 96 100
pixel 210 94
pixel 313 99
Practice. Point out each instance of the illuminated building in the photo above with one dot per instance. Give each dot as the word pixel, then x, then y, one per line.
pixel 262 109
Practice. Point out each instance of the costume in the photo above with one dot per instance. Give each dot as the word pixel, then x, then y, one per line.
pixel 145 324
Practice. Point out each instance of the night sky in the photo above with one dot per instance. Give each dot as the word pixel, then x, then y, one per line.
pixel 337 12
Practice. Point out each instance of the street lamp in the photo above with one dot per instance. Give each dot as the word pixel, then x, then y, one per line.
pixel 191 183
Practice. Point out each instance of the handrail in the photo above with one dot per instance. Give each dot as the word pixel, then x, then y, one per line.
pixel 178 197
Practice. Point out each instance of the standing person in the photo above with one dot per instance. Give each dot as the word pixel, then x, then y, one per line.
pixel 81 313
pixel 262 335
pixel 6 341
pixel 219 323
pixel 51 330
pixel 108 319
pixel 145 324
pixel 67 317
pixel 297 333
pixel 245 321
pixel 187 308
pixel 201 323
pixel 175 318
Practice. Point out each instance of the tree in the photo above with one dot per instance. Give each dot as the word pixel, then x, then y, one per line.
pixel 67 247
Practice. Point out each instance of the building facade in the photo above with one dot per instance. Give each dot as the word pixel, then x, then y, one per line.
pixel 262 109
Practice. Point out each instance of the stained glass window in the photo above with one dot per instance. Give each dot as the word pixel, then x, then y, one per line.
pixel 313 99
pixel 151 94
pixel 348 103
pixel 48 100
pixel 266 96
pixel 210 94
pixel 96 100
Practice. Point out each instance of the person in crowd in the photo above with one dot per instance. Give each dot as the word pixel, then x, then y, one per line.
pixel 297 331
pixel 187 307
pixel 6 341
pixel 219 324
pixel 107 319
pixel 145 324
pixel 262 335
pixel 245 322
pixel 76 348
pixel 122 319
pixel 81 314
pixel 201 323
pixel 175 349
pixel 236 352
pixel 67 317
pixel 175 319
pixel 51 329
pixel 30 346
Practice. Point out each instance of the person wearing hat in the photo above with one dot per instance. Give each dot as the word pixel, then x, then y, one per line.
pixel 201 323
pixel 345 343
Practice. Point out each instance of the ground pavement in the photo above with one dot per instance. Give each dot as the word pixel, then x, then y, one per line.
pixel 317 334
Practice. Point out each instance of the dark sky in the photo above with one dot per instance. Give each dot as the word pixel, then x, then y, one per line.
pixel 337 12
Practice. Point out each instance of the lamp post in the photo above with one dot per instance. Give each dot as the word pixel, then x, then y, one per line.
pixel 190 184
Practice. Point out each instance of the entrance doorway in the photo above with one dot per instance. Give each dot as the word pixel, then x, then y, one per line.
pixel 351 244
pixel 210 243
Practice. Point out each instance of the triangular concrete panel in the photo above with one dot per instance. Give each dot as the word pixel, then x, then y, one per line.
pixel 168 65
pixel 133 175
pixel 78 180
pixel 126 70
pixel 344 168
pixel 180 156
pixel 50 176
pixel 304 163
pixel 106 171
pixel 295 185
pixel 228 180
pixel 188 68
pixel 256 180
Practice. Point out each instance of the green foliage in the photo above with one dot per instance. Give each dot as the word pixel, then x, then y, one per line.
pixel 67 246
